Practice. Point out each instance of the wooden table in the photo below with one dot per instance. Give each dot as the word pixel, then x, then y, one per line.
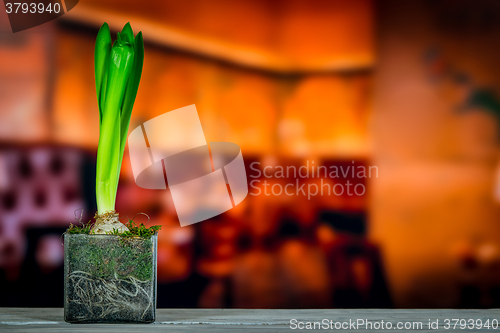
pixel 40 320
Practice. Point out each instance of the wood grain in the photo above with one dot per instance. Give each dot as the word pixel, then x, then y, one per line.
pixel 235 320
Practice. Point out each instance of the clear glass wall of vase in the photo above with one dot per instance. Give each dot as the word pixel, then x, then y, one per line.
pixel 109 279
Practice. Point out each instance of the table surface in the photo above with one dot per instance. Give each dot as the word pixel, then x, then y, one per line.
pixel 41 320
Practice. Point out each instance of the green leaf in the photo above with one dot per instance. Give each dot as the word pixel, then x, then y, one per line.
pixel 131 91
pixel 127 34
pixel 104 87
pixel 101 57
pixel 109 152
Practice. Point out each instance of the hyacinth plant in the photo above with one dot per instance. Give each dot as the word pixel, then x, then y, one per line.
pixel 118 69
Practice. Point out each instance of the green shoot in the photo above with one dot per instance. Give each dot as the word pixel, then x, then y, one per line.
pixel 118 69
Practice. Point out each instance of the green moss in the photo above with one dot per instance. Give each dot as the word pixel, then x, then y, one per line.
pixel 84 229
pixel 134 230
pixel 130 255
pixel 112 257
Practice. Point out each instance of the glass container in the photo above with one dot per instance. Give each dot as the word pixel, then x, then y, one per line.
pixel 109 279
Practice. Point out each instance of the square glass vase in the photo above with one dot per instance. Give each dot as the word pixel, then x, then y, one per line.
pixel 109 279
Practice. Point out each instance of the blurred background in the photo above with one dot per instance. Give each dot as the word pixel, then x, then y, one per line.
pixel 411 87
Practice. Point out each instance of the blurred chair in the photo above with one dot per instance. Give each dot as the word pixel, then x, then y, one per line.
pixel 42 188
pixel 355 265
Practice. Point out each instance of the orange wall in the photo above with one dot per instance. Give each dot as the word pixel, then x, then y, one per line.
pixel 311 113
pixel 432 205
